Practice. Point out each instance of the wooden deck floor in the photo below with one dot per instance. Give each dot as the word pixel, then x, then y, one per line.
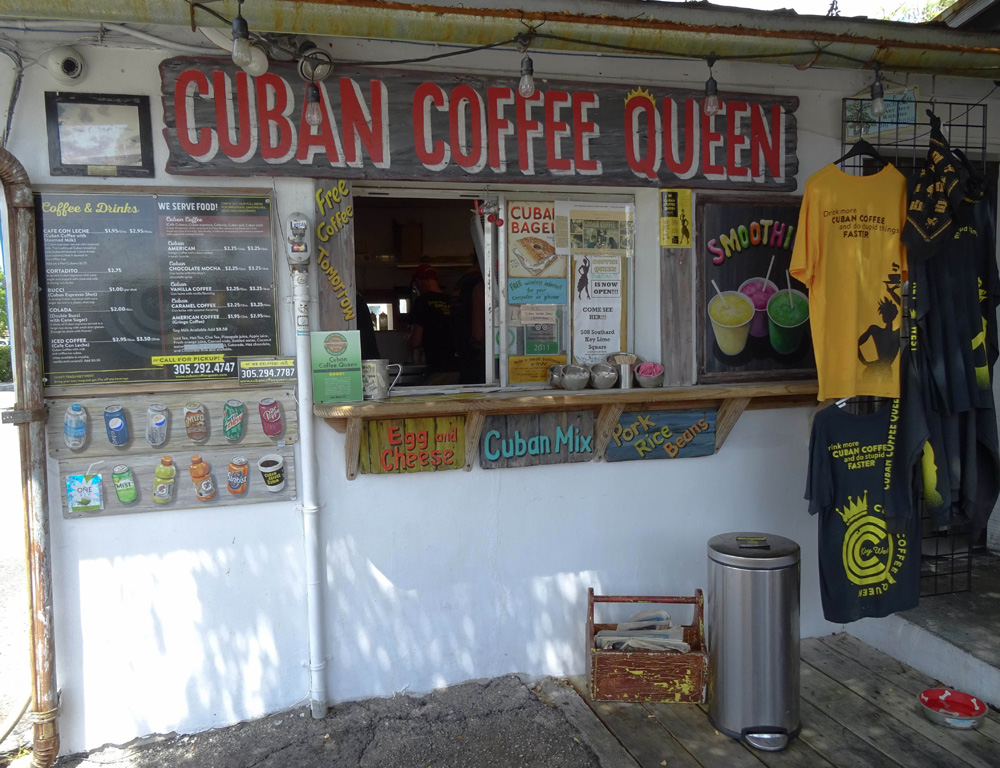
pixel 858 710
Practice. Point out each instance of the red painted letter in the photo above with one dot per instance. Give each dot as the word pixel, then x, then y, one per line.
pixel 555 131
pixel 229 124
pixel 364 125
pixel 433 154
pixel 642 163
pixel 274 105
pixel 204 147
pixel 498 128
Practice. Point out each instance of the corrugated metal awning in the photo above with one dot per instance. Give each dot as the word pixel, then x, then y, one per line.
pixel 691 30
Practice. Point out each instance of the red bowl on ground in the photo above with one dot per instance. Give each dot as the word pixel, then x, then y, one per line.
pixel 953 709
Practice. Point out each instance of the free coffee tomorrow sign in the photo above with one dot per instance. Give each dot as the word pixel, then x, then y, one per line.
pixel 399 125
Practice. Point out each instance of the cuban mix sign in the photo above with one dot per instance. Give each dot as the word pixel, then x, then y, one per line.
pixel 384 124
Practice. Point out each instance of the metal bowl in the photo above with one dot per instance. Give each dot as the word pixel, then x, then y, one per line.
pixel 555 376
pixel 603 375
pixel 575 377
pixel 952 709
pixel 649 381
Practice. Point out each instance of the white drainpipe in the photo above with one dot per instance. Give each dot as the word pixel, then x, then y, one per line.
pixel 313 544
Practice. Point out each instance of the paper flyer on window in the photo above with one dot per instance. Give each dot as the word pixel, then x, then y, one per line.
pixel 597 307
pixel 604 228
pixel 536 274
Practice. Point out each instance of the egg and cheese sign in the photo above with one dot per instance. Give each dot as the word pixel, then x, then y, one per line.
pixel 383 124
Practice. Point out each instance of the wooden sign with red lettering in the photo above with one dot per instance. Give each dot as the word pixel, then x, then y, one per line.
pixel 398 446
pixel 383 124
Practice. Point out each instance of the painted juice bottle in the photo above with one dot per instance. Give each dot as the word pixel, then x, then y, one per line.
pixel 201 476
pixel 163 481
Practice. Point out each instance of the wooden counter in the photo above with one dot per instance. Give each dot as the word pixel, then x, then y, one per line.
pixel 730 400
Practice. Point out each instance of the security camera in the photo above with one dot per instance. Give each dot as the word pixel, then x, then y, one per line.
pixel 66 65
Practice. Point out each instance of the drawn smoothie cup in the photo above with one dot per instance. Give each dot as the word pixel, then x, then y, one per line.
pixel 786 321
pixel 731 313
pixel 759 291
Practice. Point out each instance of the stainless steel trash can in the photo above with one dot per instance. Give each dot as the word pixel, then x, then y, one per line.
pixel 753 638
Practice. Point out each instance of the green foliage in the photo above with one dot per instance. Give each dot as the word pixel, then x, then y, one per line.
pixel 6 374
pixel 915 11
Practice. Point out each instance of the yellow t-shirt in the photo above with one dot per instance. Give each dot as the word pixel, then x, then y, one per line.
pixel 849 254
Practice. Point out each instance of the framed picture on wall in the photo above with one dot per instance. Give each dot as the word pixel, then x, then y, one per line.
pixel 752 319
pixel 93 134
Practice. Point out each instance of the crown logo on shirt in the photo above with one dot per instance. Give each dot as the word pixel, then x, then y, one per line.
pixel 854 509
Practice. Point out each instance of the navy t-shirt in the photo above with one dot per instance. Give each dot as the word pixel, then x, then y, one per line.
pixel 859 484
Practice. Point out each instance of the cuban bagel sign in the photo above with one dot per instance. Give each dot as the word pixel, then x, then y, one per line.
pixel 383 124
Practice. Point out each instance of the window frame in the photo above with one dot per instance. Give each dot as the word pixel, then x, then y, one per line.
pixel 494 269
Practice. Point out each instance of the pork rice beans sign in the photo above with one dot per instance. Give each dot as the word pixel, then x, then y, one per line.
pixel 400 125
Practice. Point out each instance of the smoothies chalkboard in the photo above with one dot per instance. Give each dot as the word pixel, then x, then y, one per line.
pixel 154 287
pixel 754 330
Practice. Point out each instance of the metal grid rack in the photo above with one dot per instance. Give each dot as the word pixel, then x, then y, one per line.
pixel 945 558
pixel 902 136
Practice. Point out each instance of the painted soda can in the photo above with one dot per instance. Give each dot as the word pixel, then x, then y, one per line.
pixel 195 422
pixel 233 420
pixel 270 417
pixel 156 424
pixel 236 479
pixel 124 483
pixel 114 422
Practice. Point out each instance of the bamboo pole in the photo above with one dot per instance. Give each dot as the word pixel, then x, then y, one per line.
pixel 29 416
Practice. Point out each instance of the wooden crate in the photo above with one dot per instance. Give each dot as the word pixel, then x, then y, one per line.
pixel 648 675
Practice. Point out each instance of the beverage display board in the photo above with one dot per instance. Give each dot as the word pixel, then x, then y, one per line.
pixel 154 287
pixel 227 447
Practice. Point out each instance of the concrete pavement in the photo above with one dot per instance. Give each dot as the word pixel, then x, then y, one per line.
pixel 498 723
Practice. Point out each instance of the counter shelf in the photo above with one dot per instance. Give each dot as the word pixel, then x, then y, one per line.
pixel 730 400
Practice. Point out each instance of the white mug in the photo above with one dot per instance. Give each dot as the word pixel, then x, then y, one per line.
pixel 375 378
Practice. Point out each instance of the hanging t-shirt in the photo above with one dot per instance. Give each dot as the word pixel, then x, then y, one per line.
pixel 859 483
pixel 848 253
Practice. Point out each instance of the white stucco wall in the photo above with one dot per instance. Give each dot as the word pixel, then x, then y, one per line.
pixel 185 620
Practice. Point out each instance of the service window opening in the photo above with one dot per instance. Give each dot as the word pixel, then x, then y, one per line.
pixel 417 270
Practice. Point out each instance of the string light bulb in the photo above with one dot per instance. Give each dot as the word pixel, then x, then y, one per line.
pixel 526 87
pixel 242 51
pixel 314 113
pixel 711 89
pixel 878 94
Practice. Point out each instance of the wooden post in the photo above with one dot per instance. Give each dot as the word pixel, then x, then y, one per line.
pixel 352 447
pixel 473 429
pixel 606 421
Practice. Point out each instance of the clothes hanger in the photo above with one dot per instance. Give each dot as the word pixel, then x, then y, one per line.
pixel 935 120
pixel 862 147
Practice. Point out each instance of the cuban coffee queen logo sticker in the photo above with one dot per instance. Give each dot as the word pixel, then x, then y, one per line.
pixel 872 556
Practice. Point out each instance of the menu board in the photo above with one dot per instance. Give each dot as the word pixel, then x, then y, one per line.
pixel 154 287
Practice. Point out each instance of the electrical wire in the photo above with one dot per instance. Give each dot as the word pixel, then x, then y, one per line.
pixel 158 40
pixel 15 91
pixel 459 52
